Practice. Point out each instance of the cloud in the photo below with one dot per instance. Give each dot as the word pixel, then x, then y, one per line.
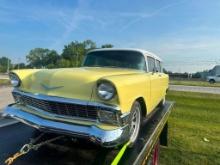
pixel 141 16
pixel 189 45
pixel 71 21
pixel 189 54
pixel 59 22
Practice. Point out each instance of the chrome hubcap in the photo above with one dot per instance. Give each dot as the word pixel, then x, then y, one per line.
pixel 135 124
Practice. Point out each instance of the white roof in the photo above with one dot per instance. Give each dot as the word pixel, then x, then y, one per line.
pixel 144 52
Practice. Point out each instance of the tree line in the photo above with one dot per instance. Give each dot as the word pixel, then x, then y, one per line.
pixel 71 56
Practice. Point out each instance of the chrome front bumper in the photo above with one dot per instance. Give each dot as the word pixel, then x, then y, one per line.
pixel 105 138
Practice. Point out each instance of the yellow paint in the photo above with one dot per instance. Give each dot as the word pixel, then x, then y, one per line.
pixel 80 83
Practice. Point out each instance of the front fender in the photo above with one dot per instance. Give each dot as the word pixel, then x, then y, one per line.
pixel 129 88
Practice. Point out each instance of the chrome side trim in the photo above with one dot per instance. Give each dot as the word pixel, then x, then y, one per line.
pixel 66 100
pixel 105 138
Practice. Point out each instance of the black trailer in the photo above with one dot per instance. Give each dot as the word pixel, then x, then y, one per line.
pixel 67 150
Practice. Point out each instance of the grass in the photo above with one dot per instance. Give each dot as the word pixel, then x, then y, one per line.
pixel 4 82
pixel 193 83
pixel 195 116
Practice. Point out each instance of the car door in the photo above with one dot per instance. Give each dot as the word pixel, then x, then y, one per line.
pixel 162 84
pixel 154 83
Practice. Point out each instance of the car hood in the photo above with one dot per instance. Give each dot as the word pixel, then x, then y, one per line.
pixel 77 83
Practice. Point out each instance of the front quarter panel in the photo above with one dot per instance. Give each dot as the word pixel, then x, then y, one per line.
pixel 129 88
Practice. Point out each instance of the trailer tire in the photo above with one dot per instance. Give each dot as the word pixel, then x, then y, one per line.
pixel 134 122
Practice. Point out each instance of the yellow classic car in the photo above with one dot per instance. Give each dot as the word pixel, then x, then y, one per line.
pixel 103 101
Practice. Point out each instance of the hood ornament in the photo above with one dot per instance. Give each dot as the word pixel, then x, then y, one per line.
pixel 47 87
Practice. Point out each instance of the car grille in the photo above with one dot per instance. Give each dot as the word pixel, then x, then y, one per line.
pixel 59 108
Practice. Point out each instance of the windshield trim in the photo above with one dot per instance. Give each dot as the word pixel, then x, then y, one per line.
pixel 144 58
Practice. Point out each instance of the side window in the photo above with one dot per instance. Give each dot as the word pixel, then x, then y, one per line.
pixel 161 67
pixel 158 66
pixel 151 64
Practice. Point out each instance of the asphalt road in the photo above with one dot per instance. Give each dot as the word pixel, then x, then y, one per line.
pixel 5 97
pixel 213 90
pixel 3 76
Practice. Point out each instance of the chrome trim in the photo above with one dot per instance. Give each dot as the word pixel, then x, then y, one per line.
pixel 47 87
pixel 103 81
pixel 11 75
pixel 53 115
pixel 99 106
pixel 125 114
pixel 105 138
pixel 66 100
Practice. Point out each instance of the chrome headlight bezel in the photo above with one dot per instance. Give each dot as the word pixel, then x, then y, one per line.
pixel 15 81
pixel 107 117
pixel 105 90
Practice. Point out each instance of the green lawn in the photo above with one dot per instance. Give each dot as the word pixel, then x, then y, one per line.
pixel 194 83
pixel 4 82
pixel 195 116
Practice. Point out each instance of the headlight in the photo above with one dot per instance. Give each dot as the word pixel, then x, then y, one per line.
pixel 15 81
pixel 106 90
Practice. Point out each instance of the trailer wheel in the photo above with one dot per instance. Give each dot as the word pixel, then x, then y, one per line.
pixel 135 122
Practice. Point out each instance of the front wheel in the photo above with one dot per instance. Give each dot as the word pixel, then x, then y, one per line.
pixel 212 81
pixel 134 122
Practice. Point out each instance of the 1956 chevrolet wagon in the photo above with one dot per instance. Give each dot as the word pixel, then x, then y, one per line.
pixel 104 101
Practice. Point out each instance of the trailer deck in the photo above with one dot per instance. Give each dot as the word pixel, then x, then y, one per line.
pixel 69 150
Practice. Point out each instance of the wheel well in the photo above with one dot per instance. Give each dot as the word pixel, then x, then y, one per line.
pixel 143 106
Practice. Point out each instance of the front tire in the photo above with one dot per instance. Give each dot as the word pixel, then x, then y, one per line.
pixel 212 81
pixel 134 122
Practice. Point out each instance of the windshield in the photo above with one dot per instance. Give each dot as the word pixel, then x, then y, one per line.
pixel 119 59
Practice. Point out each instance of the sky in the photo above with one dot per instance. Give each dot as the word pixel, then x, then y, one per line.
pixel 184 33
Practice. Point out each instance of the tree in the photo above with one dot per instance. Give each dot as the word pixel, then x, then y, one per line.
pixel 107 46
pixel 5 64
pixel 63 63
pixel 89 45
pixel 75 51
pixel 51 59
pixel 40 57
pixel 19 66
